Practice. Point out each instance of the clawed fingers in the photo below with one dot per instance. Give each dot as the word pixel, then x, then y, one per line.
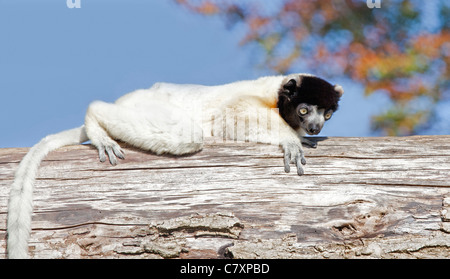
pixel 295 155
pixel 287 161
pixel 118 152
pixel 101 154
pixel 111 156
pixel 298 162
pixel 112 151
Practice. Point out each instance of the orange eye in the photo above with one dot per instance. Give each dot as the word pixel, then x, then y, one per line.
pixel 328 116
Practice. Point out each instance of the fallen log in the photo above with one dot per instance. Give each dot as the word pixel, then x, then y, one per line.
pixel 386 197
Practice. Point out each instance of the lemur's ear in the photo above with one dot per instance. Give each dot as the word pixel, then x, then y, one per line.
pixel 290 88
pixel 339 89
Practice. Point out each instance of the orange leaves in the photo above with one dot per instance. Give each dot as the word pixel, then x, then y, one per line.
pixel 208 8
pixel 401 91
pixel 396 72
pixel 304 9
pixel 322 53
pixel 399 121
pixel 390 63
pixel 431 44
pixel 256 26
pixel 204 7
pixel 327 11
pixel 256 23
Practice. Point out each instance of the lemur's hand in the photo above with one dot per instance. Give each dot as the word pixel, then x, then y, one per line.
pixel 293 152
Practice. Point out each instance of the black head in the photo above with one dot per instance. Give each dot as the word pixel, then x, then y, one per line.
pixel 304 91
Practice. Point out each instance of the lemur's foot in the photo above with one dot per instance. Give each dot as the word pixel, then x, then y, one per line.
pixel 113 151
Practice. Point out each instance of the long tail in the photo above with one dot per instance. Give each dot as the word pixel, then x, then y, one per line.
pixel 20 205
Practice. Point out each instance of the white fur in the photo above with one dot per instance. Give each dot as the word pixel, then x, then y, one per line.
pixel 339 89
pixel 20 206
pixel 166 118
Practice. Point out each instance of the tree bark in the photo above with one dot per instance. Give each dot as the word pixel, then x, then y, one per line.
pixel 386 197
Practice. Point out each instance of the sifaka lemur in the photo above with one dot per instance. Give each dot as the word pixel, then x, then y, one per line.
pixel 174 119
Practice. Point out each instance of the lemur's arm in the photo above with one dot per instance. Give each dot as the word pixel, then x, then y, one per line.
pixel 265 125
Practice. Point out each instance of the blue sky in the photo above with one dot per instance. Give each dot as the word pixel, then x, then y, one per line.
pixel 54 61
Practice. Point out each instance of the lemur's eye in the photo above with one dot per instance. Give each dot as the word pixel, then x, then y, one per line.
pixel 328 115
pixel 303 111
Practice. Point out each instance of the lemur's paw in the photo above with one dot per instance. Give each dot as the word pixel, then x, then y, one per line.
pixel 112 150
pixel 293 152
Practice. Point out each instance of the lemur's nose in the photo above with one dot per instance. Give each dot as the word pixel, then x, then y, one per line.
pixel 314 129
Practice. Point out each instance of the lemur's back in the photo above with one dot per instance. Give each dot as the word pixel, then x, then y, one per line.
pixel 200 97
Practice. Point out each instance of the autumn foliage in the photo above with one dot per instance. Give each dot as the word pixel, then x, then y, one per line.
pixel 391 50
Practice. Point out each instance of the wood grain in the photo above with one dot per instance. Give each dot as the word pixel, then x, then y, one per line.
pixel 383 197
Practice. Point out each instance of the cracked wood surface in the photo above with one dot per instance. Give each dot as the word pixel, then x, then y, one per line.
pixel 385 197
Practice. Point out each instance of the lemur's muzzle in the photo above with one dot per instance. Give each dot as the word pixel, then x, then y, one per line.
pixel 313 129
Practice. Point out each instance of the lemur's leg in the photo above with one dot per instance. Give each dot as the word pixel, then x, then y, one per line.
pixel 156 128
pixel 99 137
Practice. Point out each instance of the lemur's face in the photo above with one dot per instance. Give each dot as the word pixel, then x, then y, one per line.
pixel 306 102
pixel 312 118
